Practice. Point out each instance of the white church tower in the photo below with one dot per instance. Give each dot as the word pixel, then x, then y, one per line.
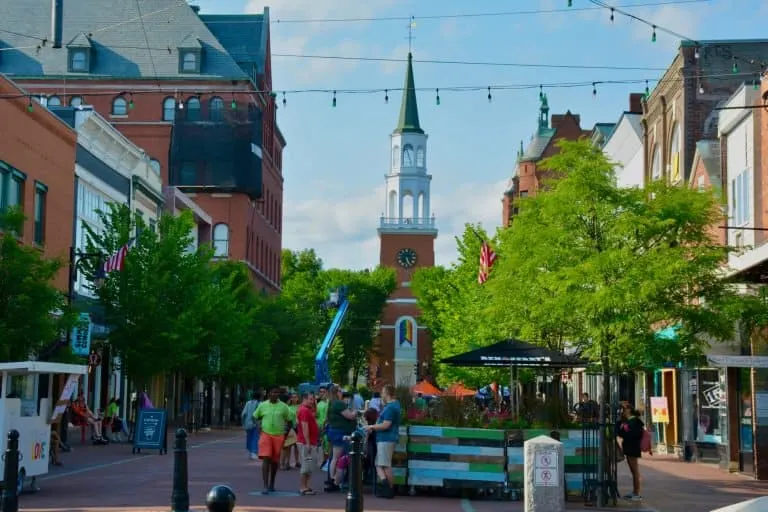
pixel 408 197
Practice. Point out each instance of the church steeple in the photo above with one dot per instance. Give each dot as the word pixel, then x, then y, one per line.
pixel 409 110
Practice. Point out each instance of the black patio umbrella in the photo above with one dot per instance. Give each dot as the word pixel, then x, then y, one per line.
pixel 514 353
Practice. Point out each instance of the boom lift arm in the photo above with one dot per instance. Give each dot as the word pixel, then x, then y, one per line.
pixel 338 300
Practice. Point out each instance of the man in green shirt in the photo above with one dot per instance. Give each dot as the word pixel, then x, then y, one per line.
pixel 275 419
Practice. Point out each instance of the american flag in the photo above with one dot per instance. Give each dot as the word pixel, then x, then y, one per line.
pixel 487 258
pixel 117 260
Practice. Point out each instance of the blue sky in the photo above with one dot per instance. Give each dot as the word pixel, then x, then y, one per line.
pixel 336 157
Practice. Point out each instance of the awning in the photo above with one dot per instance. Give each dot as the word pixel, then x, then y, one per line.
pixel 739 361
pixel 513 353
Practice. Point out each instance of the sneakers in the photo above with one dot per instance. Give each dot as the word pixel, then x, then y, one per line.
pixel 633 497
pixel 251 456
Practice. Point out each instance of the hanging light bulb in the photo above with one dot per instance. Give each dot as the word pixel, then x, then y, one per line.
pixel 701 88
pixel 735 67
pixel 696 53
pixel 647 90
pixel 653 35
pixel 181 105
pixel 30 106
pixel 594 89
pixel 570 3
pixel 333 102
pixel 233 103
pixel 612 17
pixel 541 92
pixel 437 97
pixel 490 98
pixel 285 102
pixel 130 102
pixel 386 96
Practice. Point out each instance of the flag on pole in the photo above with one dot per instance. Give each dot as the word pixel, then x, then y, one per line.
pixel 116 262
pixel 487 258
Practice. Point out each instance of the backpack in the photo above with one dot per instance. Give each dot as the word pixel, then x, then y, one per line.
pixel 645 441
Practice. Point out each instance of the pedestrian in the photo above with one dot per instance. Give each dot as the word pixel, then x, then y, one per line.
pixel 387 429
pixel 308 436
pixel 376 402
pixel 342 421
pixel 250 425
pixel 630 431
pixel 321 414
pixel 275 418
pixel 290 446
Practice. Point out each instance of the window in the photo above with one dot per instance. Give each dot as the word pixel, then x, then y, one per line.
pixel 740 198
pixel 155 165
pixel 188 174
pixel 396 156
pixel 153 225
pixel 169 109
pixel 119 106
pixel 700 184
pixel 54 101
pixel 216 109
pixel 407 155
pixel 674 155
pixel 78 60
pixel 75 101
pixel 193 109
pixel 656 163
pixel 221 241
pixel 420 157
pixel 12 188
pixel 41 192
pixel 189 62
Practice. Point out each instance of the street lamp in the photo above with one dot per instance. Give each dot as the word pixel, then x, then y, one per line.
pixel 75 258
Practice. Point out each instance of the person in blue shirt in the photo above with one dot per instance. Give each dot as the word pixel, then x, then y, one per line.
pixel 387 430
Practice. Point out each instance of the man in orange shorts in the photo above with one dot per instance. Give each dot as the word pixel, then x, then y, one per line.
pixel 275 419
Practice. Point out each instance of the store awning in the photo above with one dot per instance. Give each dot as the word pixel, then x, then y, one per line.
pixel 738 361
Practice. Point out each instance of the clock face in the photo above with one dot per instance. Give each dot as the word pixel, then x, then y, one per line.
pixel 408 157
pixel 406 258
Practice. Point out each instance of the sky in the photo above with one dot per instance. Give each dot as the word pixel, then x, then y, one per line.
pixel 336 158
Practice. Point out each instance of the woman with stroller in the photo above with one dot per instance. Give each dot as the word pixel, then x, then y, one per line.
pixel 342 421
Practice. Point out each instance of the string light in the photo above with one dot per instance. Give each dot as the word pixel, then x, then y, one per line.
pixel 570 3
pixel 30 106
pixel 285 101
pixel 696 53
pixel 594 89
pixel 735 67
pixel 701 88
pixel 437 97
pixel 333 102
pixel 653 35
pixel 490 98
pixel 541 92
pixel 647 90
pixel 612 14
pixel 386 96
pixel 131 104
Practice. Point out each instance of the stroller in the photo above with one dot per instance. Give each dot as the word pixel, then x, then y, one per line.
pixel 368 448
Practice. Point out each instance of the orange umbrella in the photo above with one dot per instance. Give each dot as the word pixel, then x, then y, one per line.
pixel 425 388
pixel 459 390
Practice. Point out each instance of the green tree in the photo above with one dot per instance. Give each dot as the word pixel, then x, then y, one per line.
pixel 454 308
pixel 591 265
pixel 33 312
pixel 159 305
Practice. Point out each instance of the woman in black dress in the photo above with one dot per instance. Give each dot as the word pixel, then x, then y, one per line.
pixel 630 430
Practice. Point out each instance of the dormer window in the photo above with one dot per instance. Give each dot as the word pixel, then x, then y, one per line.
pixel 190 55
pixel 79 52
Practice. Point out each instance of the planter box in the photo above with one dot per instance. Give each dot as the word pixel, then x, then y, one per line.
pixel 577 457
pixel 455 457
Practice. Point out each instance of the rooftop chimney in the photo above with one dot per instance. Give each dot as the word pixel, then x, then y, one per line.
pixel 636 102
pixel 56 20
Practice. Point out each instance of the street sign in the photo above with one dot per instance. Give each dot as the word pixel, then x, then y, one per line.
pixel 545 469
pixel 546 460
pixel 544 477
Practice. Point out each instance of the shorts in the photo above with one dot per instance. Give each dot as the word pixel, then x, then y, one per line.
pixel 384 453
pixel 270 447
pixel 309 457
pixel 336 438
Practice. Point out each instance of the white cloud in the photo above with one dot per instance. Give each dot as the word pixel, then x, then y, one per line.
pixel 343 231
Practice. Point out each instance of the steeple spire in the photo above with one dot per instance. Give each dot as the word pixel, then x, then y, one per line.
pixel 409 110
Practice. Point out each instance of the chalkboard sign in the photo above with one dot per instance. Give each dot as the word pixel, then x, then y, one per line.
pixel 150 431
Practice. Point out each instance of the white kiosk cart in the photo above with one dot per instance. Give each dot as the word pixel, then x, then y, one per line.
pixel 22 409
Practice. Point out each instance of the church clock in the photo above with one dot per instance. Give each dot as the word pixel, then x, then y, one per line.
pixel 406 258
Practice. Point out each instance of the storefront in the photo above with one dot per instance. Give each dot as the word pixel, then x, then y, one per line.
pixel 705 415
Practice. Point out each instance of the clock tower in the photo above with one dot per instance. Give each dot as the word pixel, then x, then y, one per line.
pixel 407 233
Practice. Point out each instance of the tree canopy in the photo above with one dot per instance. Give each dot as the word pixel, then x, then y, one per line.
pixel 592 267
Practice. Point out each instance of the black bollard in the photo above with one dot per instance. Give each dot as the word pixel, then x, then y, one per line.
pixel 355 494
pixel 220 498
pixel 180 493
pixel 9 500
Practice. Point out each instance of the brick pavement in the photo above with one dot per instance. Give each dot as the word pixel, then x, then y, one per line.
pixel 111 479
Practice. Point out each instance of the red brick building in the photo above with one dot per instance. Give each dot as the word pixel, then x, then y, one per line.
pixel 37 172
pixel 407 232
pixel 529 174
pixel 192 90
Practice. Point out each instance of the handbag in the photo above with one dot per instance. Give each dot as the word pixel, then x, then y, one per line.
pixel 619 453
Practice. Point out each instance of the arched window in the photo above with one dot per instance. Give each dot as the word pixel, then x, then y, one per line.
pixel 119 106
pixel 420 157
pixel 656 163
pixel 221 241
pixel 155 165
pixel 675 174
pixel 408 156
pixel 216 109
pixel 193 109
pixel 396 157
pixel 169 109
pixel 54 101
pixel 75 101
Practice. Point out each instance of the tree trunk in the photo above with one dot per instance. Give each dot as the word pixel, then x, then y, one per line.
pixel 603 440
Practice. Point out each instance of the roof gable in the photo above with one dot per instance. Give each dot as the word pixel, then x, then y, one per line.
pixel 81 40
pixel 117 38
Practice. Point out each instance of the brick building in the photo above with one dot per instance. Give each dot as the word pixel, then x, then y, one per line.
pixel 528 174
pixel 37 162
pixel 190 89
pixel 679 112
pixel 407 232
